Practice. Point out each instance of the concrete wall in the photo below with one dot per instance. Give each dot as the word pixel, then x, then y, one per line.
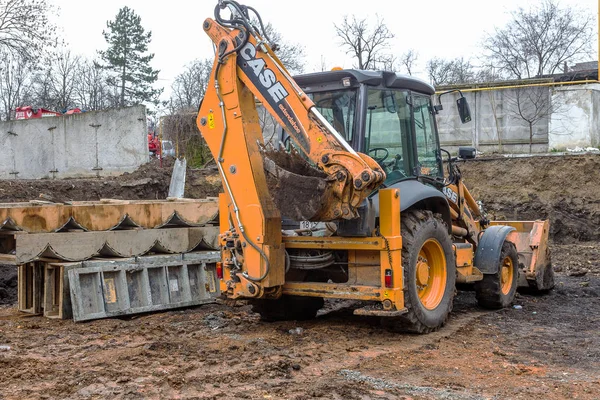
pixel 496 127
pixel 576 124
pixel 95 143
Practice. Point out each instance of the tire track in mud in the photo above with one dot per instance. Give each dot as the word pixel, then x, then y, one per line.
pixel 341 373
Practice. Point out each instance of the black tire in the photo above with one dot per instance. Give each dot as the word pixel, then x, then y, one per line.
pixel 495 291
pixel 421 229
pixel 288 308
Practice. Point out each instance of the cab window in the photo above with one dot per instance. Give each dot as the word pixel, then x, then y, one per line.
pixel 387 128
pixel 338 107
pixel 428 162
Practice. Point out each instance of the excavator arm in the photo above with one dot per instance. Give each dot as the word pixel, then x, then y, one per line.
pixel 246 69
pixel 244 56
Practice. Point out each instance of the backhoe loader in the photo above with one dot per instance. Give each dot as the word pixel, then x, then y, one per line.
pixel 353 202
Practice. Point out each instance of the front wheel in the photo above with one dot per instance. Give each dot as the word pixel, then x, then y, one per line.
pixel 429 273
pixel 498 290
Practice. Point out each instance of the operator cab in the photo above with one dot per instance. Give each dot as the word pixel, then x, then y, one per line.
pixel 388 116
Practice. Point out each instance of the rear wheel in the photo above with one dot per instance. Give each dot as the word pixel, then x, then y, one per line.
pixel 429 274
pixel 498 290
pixel 288 308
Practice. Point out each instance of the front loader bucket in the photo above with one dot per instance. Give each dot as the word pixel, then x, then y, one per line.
pixel 299 191
pixel 531 240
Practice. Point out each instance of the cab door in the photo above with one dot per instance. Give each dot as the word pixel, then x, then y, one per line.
pixel 426 140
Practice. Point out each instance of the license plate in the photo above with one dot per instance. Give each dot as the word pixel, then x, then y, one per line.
pixel 309 225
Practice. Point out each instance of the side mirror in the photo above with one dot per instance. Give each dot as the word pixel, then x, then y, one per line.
pixel 467 153
pixel 463 110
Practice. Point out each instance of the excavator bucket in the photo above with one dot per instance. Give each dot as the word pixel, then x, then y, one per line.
pixel 531 240
pixel 300 191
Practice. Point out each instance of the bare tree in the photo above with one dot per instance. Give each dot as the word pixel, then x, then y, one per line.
pixel 42 93
pixel 387 62
pixel 323 64
pixel 531 105
pixel 189 87
pixel 25 29
pixel 291 55
pixel 268 124
pixel 15 81
pixel 91 91
pixel 181 128
pixel 365 45
pixel 408 60
pixel 64 67
pixel 448 72
pixel 540 40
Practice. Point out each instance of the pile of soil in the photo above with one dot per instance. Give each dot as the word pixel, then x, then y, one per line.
pixel 8 284
pixel 149 182
pixel 562 188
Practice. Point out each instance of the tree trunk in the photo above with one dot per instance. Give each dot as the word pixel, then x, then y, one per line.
pixel 530 138
pixel 123 88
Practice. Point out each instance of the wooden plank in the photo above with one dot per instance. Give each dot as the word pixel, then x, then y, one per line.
pixel 9 259
pixel 30 288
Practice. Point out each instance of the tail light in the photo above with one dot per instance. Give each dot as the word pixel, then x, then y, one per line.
pixel 219 270
pixel 388 278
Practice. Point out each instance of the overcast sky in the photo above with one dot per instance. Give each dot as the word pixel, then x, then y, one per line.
pixel 434 28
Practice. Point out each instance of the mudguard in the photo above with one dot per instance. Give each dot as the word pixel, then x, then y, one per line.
pixel 413 192
pixel 489 248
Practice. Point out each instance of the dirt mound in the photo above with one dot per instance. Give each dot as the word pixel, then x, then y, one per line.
pixel 149 182
pixel 8 284
pixel 562 188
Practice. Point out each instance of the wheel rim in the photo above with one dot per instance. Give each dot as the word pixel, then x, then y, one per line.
pixel 431 275
pixel 507 275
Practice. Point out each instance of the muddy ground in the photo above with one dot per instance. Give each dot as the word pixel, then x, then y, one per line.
pixel 544 347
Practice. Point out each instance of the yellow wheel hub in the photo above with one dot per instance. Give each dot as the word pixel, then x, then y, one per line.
pixel 506 275
pixel 422 272
pixel 431 275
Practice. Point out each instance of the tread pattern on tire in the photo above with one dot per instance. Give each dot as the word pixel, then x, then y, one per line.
pixel 412 221
pixel 488 291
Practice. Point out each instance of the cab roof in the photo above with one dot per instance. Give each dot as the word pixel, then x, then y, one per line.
pixel 381 79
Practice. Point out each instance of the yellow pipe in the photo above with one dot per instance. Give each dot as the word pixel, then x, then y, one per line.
pixel 524 86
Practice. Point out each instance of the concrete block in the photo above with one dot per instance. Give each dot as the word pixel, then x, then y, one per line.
pixel 101 288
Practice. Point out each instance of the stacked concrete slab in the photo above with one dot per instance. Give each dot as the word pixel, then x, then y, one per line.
pixel 88 260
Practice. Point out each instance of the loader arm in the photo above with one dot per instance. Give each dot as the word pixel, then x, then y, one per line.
pixel 246 68
pixel 470 222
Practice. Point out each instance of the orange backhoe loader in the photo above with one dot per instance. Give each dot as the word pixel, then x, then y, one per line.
pixel 354 202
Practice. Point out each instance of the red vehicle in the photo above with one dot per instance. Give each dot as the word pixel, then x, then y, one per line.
pixel 76 110
pixel 28 112
pixel 153 145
